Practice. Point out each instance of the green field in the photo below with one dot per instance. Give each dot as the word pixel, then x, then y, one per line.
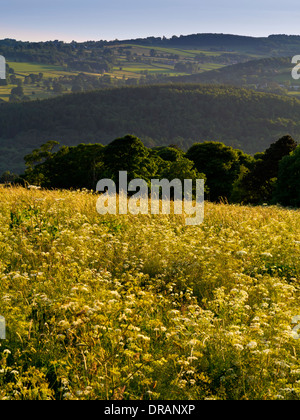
pixel 24 69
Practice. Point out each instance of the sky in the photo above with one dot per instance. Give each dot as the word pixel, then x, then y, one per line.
pixel 82 20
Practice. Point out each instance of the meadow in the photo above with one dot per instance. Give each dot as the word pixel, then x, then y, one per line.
pixel 145 307
pixel 36 91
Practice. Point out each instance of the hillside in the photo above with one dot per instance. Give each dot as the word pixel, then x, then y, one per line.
pixel 47 69
pixel 271 74
pixel 159 115
pixel 273 45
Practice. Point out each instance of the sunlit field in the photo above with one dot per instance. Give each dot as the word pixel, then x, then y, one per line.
pixel 33 91
pixel 145 307
pixel 48 70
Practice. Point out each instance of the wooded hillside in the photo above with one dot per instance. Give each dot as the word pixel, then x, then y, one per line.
pixel 159 115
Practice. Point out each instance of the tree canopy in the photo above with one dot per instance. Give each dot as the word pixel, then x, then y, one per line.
pixel 257 185
pixel 287 191
pixel 83 165
pixel 220 164
pixel 229 174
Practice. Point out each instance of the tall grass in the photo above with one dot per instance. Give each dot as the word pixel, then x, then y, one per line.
pixel 144 307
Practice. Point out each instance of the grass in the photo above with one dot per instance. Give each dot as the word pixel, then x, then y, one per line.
pixel 144 307
pixel 31 91
pixel 182 52
pixel 24 69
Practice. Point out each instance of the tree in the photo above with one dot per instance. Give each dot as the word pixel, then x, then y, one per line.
pixel 58 87
pixel 17 91
pixel 220 164
pixel 7 177
pixel 35 160
pixel 169 153
pixel 70 167
pixel 129 154
pixel 287 189
pixel 257 185
pixel 76 167
pixel 40 155
pixel 76 87
pixel 182 169
pixel 273 155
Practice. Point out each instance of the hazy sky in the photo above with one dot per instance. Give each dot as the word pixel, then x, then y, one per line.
pixel 35 20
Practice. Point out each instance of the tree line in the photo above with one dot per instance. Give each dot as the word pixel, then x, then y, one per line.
pixel 273 44
pixel 229 174
pixel 87 56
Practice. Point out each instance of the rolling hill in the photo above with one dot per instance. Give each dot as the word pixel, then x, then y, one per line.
pixel 271 74
pixel 47 69
pixel 159 115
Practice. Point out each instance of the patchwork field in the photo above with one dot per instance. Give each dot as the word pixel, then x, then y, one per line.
pixel 37 91
pixel 129 63
pixel 23 69
pixel 144 307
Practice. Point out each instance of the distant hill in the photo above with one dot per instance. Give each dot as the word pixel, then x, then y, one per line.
pixel 47 69
pixel 159 115
pixel 271 45
pixel 267 74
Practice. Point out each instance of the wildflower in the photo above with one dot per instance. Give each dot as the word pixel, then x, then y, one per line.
pixel 239 347
pixel 64 324
pixel 14 372
pixel 252 345
pixel 266 254
pixel 128 310
pixel 182 383
pixel 241 253
pixel 115 293
pixel 296 319
pixel 60 337
pixel 295 335
pixel 78 393
pixel 143 337
pixel 193 342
